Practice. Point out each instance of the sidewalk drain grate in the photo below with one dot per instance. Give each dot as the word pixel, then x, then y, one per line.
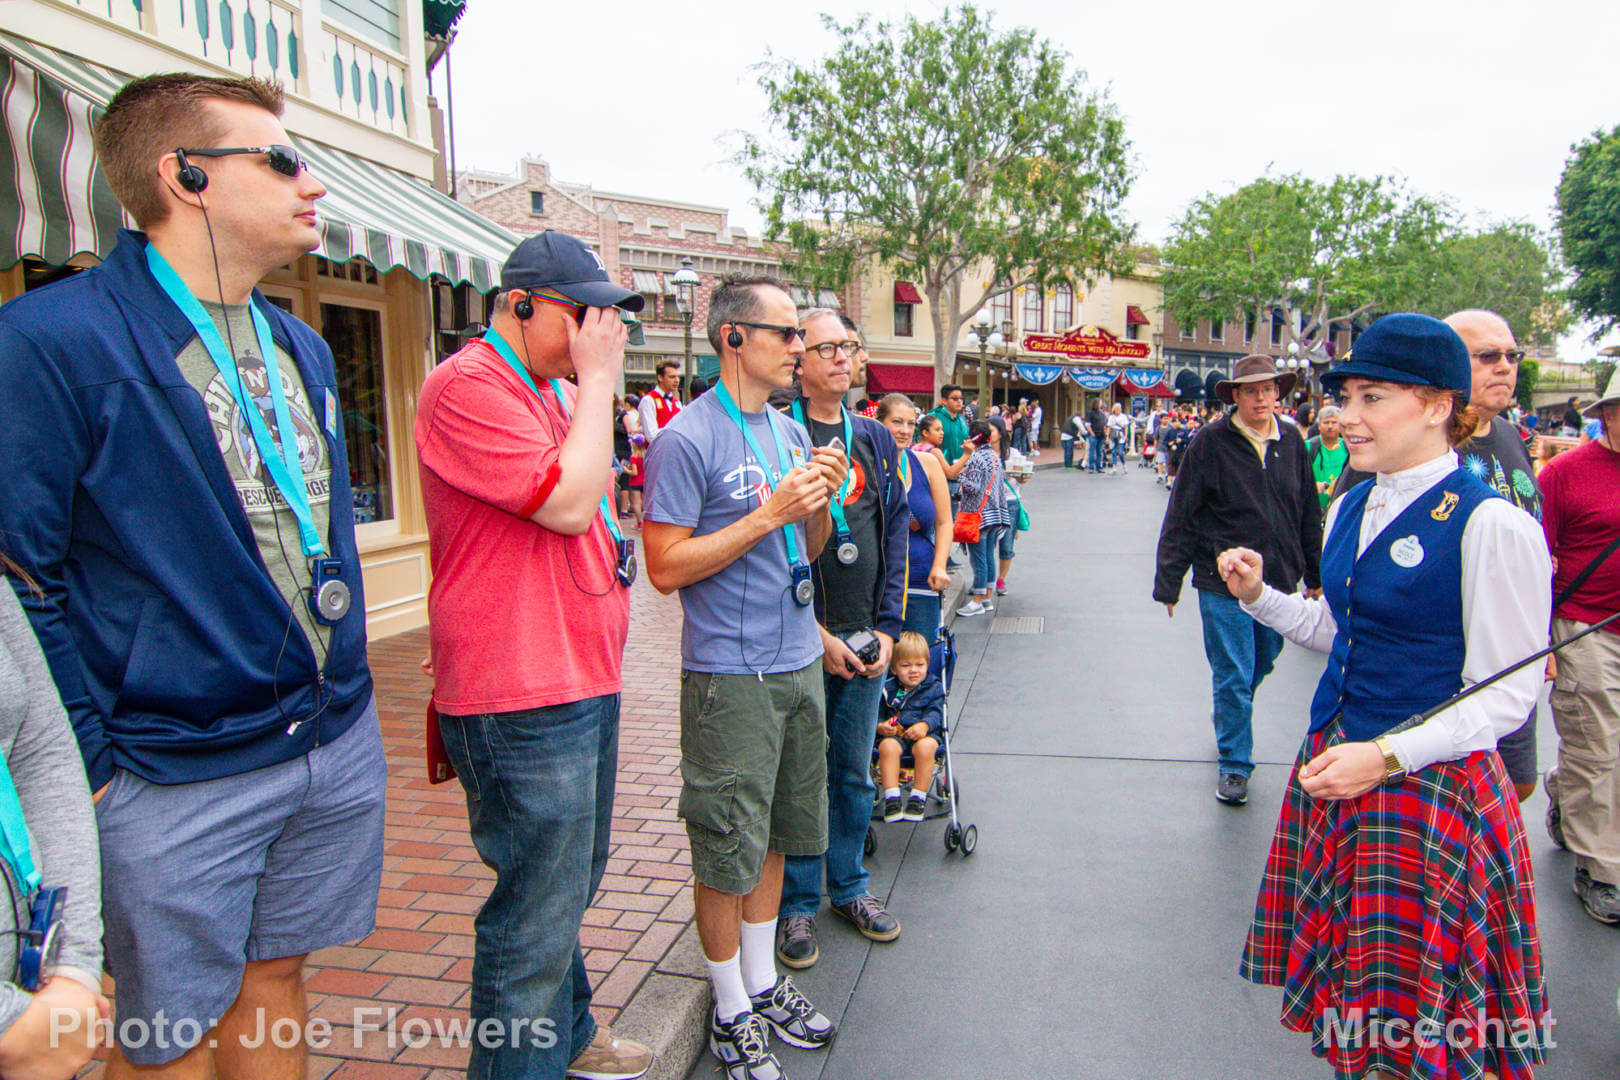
pixel 1021 624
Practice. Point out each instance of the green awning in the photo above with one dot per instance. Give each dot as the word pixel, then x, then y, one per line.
pixel 55 202
pixel 438 16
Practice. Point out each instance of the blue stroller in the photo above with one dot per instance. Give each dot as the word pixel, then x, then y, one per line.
pixel 944 791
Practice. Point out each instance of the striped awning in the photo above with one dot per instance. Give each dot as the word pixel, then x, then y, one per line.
pixel 55 202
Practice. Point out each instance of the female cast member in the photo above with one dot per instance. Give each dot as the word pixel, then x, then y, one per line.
pixel 1397 909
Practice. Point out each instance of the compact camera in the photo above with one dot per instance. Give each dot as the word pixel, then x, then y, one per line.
pixel 865 645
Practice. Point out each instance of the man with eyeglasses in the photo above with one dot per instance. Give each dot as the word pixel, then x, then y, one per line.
pixel 174 478
pixel 1497 454
pixel 860 589
pixel 737 512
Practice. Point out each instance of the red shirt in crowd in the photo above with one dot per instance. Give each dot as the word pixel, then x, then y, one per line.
pixel 520 617
pixel 1580 513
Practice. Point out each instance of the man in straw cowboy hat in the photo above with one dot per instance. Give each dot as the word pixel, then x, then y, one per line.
pixel 1245 481
pixel 1580 493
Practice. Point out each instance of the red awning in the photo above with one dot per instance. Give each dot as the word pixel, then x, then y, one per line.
pixel 1134 316
pixel 899 378
pixel 906 293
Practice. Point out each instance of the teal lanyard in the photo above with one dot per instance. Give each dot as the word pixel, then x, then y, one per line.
pixel 499 344
pixel 17 851
pixel 282 465
pixel 836 506
pixel 772 477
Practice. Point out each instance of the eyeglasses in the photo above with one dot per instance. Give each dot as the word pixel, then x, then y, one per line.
pixel 829 349
pixel 560 301
pixel 283 159
pixel 1491 356
pixel 788 333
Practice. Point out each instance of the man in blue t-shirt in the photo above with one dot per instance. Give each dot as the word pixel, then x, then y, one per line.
pixel 736 513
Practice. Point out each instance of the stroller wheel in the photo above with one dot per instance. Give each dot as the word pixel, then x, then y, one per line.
pixel 970 840
pixel 871 840
pixel 951 837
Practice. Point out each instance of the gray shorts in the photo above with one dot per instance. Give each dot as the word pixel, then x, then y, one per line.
pixel 1518 751
pixel 197 879
pixel 753 771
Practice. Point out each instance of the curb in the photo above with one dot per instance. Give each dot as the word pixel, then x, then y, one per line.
pixel 669 1012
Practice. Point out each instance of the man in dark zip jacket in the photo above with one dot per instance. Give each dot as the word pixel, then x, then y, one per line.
pixel 1245 481
pixel 175 479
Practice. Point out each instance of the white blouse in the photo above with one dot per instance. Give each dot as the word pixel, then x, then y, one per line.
pixel 1506 606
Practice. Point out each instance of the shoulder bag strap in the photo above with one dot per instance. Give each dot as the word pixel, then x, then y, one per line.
pixel 1586 571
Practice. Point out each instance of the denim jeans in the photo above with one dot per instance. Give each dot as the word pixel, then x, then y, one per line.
pixel 1068 453
pixel 1119 452
pixel 922 614
pixel 1241 654
pixel 539 787
pixel 984 557
pixel 1094 453
pixel 852 716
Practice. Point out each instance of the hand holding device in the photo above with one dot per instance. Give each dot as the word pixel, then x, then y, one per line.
pixel 801 494
pixel 833 465
pixel 866 647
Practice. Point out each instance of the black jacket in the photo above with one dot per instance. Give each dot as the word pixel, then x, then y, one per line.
pixel 1097 421
pixel 1223 498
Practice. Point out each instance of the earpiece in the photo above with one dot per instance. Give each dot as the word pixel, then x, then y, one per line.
pixel 191 177
pixel 524 309
pixel 735 338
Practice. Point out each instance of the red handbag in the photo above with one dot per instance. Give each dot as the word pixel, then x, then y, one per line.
pixel 965 529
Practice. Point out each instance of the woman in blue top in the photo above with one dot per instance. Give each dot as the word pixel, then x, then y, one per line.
pixel 929 497
pixel 1397 909
pixel 982 490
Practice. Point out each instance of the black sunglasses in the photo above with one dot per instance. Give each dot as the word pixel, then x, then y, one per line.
pixel 1491 356
pixel 284 159
pixel 788 332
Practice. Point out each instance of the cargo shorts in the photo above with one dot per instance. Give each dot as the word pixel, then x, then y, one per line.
pixel 753 771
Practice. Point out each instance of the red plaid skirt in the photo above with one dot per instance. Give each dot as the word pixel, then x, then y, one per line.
pixel 1401 925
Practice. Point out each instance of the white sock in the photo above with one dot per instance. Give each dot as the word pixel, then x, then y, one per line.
pixel 730 999
pixel 758 957
pixel 918 793
pixel 891 793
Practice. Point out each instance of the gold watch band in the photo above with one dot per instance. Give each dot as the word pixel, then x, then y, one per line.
pixel 1393 770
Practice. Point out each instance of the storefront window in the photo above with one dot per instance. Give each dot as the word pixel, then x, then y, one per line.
pixel 355 335
pixel 1032 307
pixel 1063 307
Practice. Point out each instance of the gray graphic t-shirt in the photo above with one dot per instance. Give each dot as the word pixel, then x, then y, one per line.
pixel 267 511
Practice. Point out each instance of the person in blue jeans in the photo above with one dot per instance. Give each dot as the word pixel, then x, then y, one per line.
pixel 983 490
pixel 860 589
pixel 1245 481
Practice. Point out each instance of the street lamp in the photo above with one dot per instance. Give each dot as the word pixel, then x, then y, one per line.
pixel 984 338
pixel 686 282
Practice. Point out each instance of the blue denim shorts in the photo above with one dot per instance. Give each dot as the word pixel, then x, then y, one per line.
pixel 197 879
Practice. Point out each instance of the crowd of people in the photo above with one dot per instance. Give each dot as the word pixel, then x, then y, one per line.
pixel 195 773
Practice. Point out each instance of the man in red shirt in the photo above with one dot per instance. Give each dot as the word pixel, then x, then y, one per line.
pixel 529 607
pixel 1580 513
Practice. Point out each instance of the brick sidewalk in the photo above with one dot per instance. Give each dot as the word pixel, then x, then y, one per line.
pixel 419 959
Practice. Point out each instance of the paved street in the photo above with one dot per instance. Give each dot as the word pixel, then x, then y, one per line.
pixel 1096 932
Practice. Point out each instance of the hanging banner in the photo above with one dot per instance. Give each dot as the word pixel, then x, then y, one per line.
pixel 1143 378
pixel 1039 374
pixel 1086 343
pixel 1093 378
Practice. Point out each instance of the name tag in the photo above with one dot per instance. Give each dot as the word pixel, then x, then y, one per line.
pixel 1406 551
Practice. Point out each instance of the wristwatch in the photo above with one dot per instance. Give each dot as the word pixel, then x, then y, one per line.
pixel 1393 769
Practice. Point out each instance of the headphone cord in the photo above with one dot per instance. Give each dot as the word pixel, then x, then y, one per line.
pixel 264 485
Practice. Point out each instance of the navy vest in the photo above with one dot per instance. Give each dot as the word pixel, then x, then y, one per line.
pixel 1399 648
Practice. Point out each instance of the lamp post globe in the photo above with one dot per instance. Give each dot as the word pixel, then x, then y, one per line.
pixel 686 281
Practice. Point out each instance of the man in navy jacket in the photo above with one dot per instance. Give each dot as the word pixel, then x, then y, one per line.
pixel 864 592
pixel 173 474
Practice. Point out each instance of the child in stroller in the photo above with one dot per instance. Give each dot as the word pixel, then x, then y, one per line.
pixel 913 709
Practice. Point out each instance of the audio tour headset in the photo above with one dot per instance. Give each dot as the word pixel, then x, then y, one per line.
pixel 191 177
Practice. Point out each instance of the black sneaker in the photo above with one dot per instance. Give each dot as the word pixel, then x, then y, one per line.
pixel 1232 789
pixel 1555 824
pixel 1600 899
pixel 870 918
pixel 790 1014
pixel 915 804
pixel 742 1049
pixel 796 941
pixel 891 808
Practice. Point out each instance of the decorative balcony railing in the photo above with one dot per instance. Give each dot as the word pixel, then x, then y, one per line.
pixel 284 40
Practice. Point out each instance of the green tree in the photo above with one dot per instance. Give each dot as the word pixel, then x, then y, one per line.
pixel 1588 224
pixel 1331 251
pixel 1525 390
pixel 1506 268
pixel 943 149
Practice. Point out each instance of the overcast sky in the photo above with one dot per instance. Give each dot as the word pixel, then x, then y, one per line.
pixel 1475 102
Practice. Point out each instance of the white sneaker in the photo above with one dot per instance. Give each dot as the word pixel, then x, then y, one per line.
pixel 971 608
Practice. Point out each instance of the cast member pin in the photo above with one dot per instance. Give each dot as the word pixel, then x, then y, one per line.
pixel 1406 552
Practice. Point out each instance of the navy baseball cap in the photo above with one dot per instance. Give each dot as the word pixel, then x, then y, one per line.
pixel 563 264
pixel 1415 350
